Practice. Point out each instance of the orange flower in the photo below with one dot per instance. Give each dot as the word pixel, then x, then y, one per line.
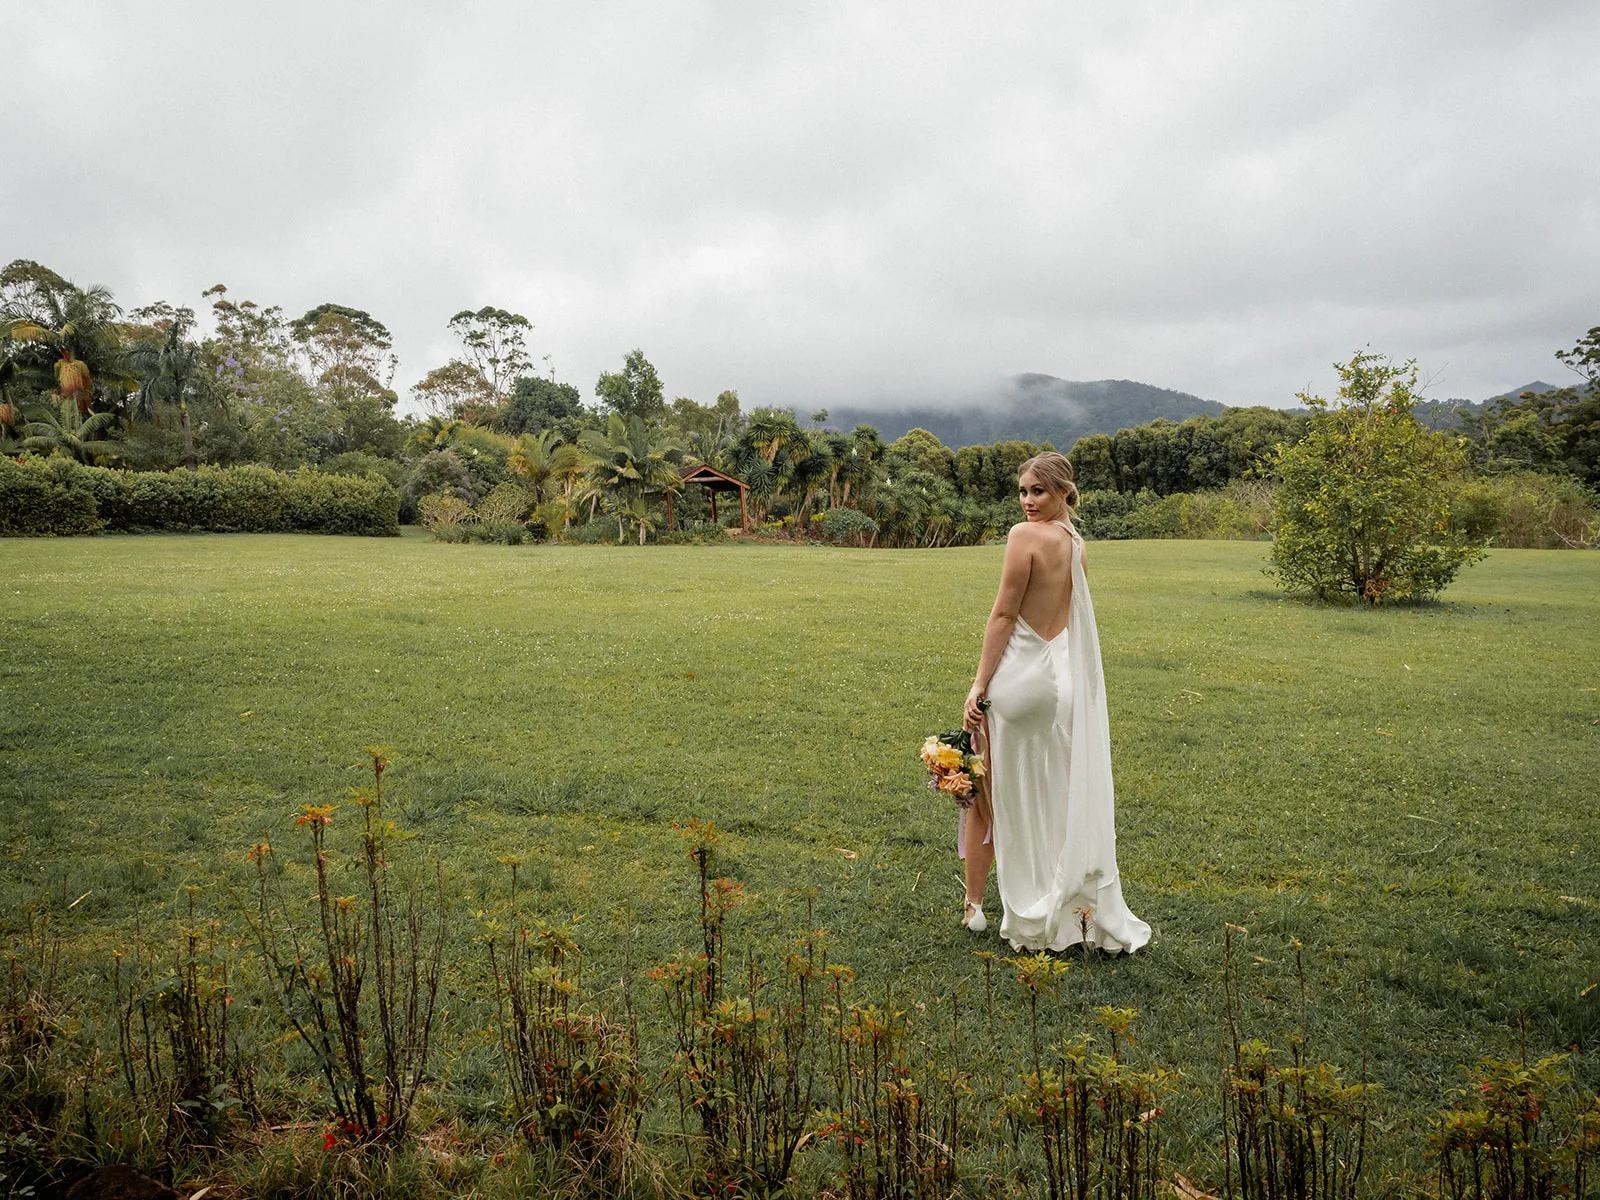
pixel 957 783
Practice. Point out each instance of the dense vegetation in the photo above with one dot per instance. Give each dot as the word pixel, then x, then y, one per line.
pixel 507 452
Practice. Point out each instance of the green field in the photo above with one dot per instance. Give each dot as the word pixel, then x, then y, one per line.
pixel 1409 792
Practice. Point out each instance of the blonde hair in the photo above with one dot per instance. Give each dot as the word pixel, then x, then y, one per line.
pixel 1055 472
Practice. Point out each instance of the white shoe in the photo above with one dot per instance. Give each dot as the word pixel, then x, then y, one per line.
pixel 973 917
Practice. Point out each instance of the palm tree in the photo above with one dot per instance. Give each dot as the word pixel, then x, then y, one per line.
pixel 9 413
pixel 436 433
pixel 768 449
pixel 63 432
pixel 771 430
pixel 170 367
pixel 628 463
pixel 70 337
pixel 808 472
pixel 545 461
pixel 718 448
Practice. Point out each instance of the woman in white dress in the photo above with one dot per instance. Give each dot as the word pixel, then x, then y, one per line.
pixel 1047 819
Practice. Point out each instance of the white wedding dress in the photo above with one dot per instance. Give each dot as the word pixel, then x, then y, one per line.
pixel 1049 752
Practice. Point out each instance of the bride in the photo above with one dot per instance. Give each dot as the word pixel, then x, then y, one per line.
pixel 1046 818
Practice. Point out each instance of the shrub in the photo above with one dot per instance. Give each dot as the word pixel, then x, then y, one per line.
pixel 443 508
pixel 441 471
pixel 691 533
pixel 1525 510
pixel 359 464
pixel 504 533
pixel 841 525
pixel 321 503
pixel 247 499
pixel 39 499
pixel 250 499
pixel 509 503
pixel 1158 517
pixel 1103 515
pixel 1363 508
pixel 602 531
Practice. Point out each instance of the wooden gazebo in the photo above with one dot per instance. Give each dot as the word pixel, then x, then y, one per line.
pixel 715 481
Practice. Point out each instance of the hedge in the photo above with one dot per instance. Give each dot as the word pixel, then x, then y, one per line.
pixel 57 496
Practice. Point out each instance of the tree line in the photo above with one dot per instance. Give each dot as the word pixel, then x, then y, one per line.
pixel 144 390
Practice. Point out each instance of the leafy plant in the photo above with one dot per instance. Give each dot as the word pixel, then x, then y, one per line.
pixel 1363 508
pixel 574 1073
pixel 370 1034
pixel 1502 1138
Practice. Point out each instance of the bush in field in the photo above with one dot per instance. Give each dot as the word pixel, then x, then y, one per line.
pixel 1363 506
pixel 508 504
pixel 45 501
pixel 1527 510
pixel 841 525
pixel 1102 514
pixel 1241 511
pixel 442 509
pixel 602 531
pixel 359 463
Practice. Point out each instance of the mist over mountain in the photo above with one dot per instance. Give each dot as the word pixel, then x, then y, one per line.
pixel 1034 408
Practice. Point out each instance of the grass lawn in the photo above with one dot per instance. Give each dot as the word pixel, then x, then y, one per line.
pixel 1410 793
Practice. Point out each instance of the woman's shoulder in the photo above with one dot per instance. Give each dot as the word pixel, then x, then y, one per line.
pixel 1040 531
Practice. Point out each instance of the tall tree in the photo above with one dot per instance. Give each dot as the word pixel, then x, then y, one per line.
pixel 170 367
pixel 634 391
pixel 537 404
pixel 456 391
pixel 348 358
pixel 1556 432
pixel 496 344
pixel 254 377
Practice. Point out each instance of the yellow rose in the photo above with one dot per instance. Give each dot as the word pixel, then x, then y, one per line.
pixel 948 757
pixel 975 766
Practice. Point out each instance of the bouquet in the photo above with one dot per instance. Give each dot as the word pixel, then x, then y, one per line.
pixel 953 767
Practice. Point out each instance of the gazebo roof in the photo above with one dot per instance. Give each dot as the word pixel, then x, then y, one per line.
pixel 708 476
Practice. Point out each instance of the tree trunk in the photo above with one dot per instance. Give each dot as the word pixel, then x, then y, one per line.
pixel 188 435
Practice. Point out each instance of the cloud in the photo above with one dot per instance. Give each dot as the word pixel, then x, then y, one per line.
pixel 844 203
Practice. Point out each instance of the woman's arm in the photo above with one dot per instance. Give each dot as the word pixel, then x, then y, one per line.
pixel 1003 617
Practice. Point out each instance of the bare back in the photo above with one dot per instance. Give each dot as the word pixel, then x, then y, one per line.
pixel 1047 598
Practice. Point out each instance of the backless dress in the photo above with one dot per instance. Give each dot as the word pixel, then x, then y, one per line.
pixel 1049 757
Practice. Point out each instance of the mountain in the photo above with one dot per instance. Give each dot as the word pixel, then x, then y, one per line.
pixel 1536 387
pixel 1034 408
pixel 1447 414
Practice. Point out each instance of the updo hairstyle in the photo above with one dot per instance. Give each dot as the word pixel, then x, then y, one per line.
pixel 1055 472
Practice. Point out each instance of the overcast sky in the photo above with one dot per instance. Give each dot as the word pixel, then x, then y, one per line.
pixel 841 203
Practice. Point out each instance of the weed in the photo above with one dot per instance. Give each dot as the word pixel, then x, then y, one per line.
pixel 321 978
